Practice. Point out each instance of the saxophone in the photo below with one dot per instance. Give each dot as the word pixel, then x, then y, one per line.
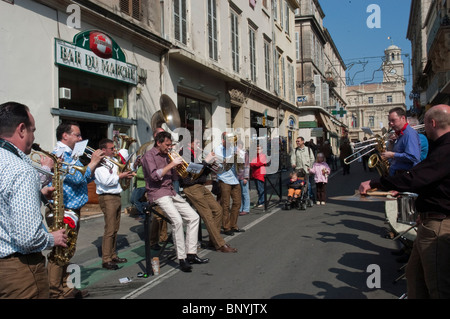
pixel 375 160
pixel 61 218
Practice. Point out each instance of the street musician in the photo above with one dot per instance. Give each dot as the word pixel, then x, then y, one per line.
pixel 203 200
pixel 428 272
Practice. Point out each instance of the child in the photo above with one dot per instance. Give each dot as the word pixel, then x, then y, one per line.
pixel 296 183
pixel 321 170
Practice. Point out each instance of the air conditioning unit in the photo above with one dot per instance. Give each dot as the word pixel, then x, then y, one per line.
pixel 64 93
pixel 118 103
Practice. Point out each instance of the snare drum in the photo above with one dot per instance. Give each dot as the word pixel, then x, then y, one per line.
pixel 406 208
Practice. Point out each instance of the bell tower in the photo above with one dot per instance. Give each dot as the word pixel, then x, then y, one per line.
pixel 393 67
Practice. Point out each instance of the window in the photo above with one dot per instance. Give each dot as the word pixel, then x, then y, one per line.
pixel 267 63
pixel 212 29
pixel 389 99
pixel 180 23
pixel 286 17
pixel 92 93
pixel 235 41
pixel 276 70
pixel 297 46
pixel 131 8
pixel 370 99
pixel 192 109
pixel 371 121
pixel 251 36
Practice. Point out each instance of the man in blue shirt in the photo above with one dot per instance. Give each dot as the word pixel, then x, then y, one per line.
pixel 405 153
pixel 75 197
pixel 229 187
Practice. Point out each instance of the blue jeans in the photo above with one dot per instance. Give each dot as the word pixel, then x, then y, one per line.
pixel 260 188
pixel 245 203
pixel 136 195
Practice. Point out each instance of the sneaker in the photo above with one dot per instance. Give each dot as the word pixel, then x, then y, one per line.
pixel 317 203
pixel 243 213
pixel 322 203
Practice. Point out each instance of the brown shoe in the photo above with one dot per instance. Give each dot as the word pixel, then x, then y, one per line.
pixel 119 260
pixel 110 265
pixel 227 249
pixel 77 294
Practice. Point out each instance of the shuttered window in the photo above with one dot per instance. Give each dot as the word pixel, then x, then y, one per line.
pixel 234 41
pixel 212 29
pixel 131 8
pixel 180 23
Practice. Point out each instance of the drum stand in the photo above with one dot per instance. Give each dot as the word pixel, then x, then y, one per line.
pixel 148 209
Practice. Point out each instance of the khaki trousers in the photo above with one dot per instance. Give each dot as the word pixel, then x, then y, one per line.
pixel 209 210
pixel 180 213
pixel 24 277
pixel 112 210
pixel 57 275
pixel 428 269
pixel 230 216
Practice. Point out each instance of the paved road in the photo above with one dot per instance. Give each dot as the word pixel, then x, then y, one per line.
pixel 325 252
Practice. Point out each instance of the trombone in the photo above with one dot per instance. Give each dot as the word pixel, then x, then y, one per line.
pixel 359 148
pixel 37 151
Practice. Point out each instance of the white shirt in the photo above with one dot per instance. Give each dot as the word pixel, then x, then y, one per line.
pixel 107 181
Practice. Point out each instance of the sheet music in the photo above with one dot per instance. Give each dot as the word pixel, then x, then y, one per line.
pixel 79 148
pixel 194 168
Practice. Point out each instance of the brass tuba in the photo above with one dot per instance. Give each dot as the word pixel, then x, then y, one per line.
pixel 61 219
pixel 375 160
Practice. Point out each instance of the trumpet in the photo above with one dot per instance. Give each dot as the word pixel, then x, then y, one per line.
pixel 106 162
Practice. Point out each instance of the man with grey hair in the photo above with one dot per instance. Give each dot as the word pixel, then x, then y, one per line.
pixel 428 271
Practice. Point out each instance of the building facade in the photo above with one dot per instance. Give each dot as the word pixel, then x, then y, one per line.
pixel 369 104
pixel 429 33
pixel 320 82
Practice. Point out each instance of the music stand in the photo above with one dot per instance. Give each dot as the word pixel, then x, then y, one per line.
pixel 149 209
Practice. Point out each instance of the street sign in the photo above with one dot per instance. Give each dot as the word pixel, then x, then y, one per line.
pixel 302 98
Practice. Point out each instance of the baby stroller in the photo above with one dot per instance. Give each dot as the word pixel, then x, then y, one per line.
pixel 300 202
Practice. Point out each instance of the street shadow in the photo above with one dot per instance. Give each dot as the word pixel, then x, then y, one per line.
pixel 122 242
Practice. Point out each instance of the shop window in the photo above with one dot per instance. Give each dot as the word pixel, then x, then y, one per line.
pixel 191 109
pixel 93 94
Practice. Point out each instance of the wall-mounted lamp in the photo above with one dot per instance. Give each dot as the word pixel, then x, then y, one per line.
pixel 312 88
pixel 180 80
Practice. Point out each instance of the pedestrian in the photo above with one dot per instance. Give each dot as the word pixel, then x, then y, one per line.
pixel 243 176
pixel 327 152
pixel 109 189
pixel 23 236
pixel 258 171
pixel 427 271
pixel 345 149
pixel 321 171
pixel 302 157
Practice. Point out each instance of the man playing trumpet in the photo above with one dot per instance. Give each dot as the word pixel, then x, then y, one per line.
pixel 159 172
pixel 109 189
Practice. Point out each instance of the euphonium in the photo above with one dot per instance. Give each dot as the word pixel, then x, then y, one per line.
pixel 375 160
pixel 60 255
pixel 182 168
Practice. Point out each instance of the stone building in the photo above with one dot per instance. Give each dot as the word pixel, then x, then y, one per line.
pixel 429 33
pixel 369 103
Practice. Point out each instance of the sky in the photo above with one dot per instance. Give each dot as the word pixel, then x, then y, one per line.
pixel 361 33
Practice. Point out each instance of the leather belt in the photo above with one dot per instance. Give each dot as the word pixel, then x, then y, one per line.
pixel 111 194
pixel 433 215
pixel 19 255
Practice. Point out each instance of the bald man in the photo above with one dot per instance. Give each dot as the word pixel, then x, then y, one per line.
pixel 428 270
